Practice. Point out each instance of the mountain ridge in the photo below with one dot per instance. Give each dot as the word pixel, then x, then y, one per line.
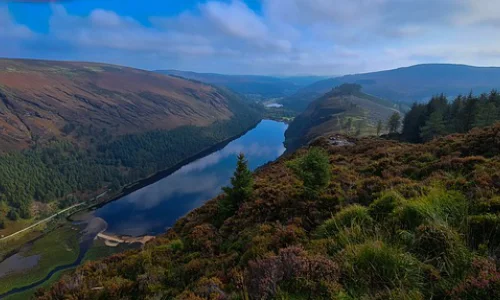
pixel 42 97
pixel 405 85
pixel 257 87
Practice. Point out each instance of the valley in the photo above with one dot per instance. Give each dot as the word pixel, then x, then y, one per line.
pixel 70 131
pixel 151 209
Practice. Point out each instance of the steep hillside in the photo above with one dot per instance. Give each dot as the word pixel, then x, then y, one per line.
pixel 41 99
pixel 392 221
pixel 407 85
pixel 85 126
pixel 344 109
pixel 254 87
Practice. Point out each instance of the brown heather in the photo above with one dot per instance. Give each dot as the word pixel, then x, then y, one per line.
pixel 396 221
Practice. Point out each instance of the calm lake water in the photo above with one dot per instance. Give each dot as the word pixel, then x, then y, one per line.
pixel 156 207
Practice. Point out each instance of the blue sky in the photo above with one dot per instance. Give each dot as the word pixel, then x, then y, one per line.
pixel 281 37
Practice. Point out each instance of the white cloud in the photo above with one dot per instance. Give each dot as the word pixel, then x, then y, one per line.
pixel 284 37
pixel 10 29
pixel 479 12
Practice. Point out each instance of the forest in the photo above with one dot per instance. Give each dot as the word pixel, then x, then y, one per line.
pixel 377 220
pixel 440 117
pixel 61 170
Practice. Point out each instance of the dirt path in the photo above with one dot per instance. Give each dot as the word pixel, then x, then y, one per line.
pixel 39 222
pixel 47 219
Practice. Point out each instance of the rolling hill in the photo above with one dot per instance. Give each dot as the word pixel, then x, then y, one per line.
pixel 392 221
pixel 407 85
pixel 85 127
pixel 344 109
pixel 42 99
pixel 254 87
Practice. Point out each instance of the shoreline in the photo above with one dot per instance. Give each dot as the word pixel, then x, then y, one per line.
pixel 128 189
pixel 113 240
pixel 137 185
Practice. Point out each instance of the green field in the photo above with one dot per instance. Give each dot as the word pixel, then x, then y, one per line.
pixel 59 247
pixel 29 293
pixel 97 251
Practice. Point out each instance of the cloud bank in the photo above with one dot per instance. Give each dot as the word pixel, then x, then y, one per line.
pixel 321 37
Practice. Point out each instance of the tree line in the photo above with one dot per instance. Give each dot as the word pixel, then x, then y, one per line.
pixel 60 169
pixel 439 116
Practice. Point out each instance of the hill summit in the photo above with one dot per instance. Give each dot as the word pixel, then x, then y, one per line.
pixel 345 109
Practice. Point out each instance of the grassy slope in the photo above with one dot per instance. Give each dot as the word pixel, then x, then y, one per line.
pixel 397 221
pixel 42 99
pixel 329 114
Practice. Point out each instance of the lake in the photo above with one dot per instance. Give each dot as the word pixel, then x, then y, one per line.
pixel 274 105
pixel 154 208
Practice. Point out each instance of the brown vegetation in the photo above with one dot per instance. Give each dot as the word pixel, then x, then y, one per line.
pixel 396 221
pixel 43 99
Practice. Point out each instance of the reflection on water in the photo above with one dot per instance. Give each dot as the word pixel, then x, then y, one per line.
pixel 156 207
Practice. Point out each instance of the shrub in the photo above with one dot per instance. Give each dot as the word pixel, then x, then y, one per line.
pixel 437 207
pixel 381 208
pixel 13 215
pixel 265 276
pixel 374 266
pixel 176 245
pixel 485 229
pixel 443 248
pixel 349 217
pixel 482 283
pixel 314 170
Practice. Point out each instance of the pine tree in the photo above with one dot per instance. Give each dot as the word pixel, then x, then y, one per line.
pixel 242 182
pixel 485 115
pixel 394 122
pixel 241 190
pixel 434 127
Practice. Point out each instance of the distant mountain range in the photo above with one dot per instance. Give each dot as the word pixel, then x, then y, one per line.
pixel 254 87
pixel 407 85
pixel 345 109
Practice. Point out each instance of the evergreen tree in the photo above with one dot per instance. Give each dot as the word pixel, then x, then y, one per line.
pixel 412 123
pixel 434 127
pixel 241 183
pixel 394 122
pixel 485 115
pixel 314 170
pixel 241 190
pixel 379 127
pixel 427 121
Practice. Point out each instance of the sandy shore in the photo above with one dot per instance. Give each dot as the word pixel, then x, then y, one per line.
pixel 113 240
